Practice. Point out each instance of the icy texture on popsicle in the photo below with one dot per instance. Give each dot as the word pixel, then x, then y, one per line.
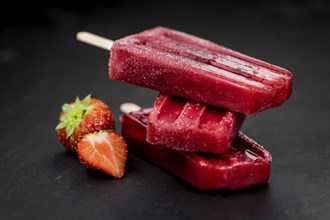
pixel 244 164
pixel 180 64
pixel 191 126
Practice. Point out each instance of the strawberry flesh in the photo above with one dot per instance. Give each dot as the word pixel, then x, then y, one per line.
pixel 105 151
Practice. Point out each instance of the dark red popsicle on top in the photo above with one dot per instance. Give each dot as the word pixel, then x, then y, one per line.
pixel 180 64
pixel 245 163
pixel 191 126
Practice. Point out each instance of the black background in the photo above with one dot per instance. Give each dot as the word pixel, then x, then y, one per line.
pixel 42 66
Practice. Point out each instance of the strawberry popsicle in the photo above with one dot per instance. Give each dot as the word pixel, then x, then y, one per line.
pixel 180 64
pixel 245 163
pixel 190 126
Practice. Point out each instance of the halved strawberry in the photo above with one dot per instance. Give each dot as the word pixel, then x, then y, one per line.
pixel 83 117
pixel 105 151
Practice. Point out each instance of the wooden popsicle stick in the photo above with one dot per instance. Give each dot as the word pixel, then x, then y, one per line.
pixel 128 107
pixel 106 44
pixel 94 40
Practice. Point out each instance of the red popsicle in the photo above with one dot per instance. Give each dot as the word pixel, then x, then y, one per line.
pixel 244 164
pixel 180 64
pixel 190 126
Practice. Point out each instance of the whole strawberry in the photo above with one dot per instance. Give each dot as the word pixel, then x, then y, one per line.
pixel 83 117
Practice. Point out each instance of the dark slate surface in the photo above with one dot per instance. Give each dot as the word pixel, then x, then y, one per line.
pixel 43 66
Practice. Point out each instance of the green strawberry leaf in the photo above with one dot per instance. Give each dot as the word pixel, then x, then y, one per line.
pixel 89 108
pixel 73 114
pixel 77 102
pixel 61 125
pixel 69 130
pixel 86 100
pixel 66 107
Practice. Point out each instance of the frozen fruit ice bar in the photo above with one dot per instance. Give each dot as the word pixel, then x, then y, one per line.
pixel 180 64
pixel 244 164
pixel 192 126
